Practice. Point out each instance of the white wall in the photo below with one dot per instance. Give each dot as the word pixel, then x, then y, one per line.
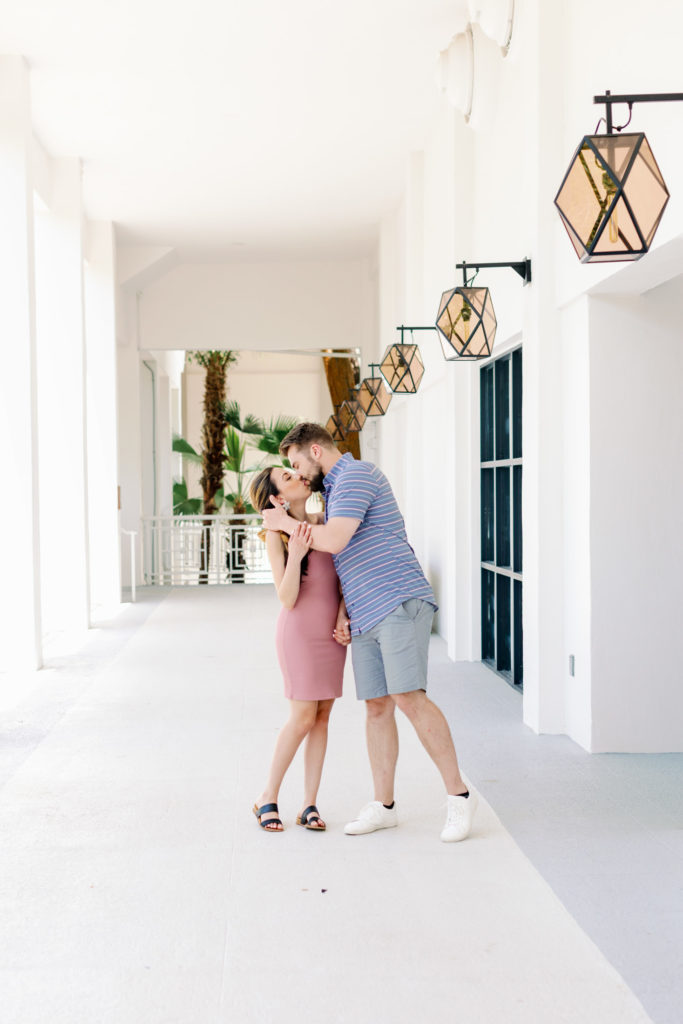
pixel 270 307
pixel 575 568
pixel 636 540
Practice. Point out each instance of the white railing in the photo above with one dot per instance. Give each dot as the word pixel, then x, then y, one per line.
pixel 175 549
pixel 133 537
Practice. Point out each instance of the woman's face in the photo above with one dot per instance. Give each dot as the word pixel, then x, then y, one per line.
pixel 289 485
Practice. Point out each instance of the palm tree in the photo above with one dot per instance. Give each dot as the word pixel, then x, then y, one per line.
pixel 216 364
pixel 213 456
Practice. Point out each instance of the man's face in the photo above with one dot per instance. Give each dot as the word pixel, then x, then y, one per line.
pixel 306 466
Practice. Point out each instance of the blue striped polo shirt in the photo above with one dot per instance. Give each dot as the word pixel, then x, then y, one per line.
pixel 377 569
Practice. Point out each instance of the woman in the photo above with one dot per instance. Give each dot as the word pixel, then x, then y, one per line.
pixel 310 649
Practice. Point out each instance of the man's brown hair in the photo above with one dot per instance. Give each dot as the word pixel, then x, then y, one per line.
pixel 305 434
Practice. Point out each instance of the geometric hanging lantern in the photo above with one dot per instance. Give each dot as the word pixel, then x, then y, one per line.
pixel 352 415
pixel 373 394
pixel 335 427
pixel 612 198
pixel 402 368
pixel 466 323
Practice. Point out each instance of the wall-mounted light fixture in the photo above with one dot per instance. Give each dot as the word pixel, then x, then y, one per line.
pixel 335 428
pixel 352 415
pixel 373 393
pixel 402 367
pixel 466 321
pixel 613 195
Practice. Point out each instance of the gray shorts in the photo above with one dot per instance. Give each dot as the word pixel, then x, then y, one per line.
pixel 392 656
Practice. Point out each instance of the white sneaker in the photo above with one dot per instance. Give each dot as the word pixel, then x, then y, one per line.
pixel 373 816
pixel 459 818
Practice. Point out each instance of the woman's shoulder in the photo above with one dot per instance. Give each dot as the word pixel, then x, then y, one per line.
pixel 316 518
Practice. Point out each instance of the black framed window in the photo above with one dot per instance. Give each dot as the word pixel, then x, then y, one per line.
pixel 501 516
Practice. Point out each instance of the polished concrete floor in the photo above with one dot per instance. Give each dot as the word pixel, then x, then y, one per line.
pixel 136 886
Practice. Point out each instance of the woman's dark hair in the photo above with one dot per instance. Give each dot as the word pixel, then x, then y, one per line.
pixel 261 490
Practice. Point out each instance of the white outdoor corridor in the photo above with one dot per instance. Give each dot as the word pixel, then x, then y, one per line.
pixel 137 888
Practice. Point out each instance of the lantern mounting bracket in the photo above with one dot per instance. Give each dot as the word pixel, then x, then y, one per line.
pixel 642 97
pixel 522 268
pixel 403 328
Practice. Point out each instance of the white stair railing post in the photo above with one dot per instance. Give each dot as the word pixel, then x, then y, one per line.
pixel 132 534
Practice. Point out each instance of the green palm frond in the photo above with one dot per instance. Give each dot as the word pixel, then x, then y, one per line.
pixel 182 447
pixel 182 505
pixel 274 433
pixel 234 450
pixel 232 414
pixel 252 425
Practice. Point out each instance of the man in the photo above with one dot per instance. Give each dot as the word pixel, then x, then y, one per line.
pixel 391 606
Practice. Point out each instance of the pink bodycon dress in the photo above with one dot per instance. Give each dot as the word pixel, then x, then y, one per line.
pixel 311 660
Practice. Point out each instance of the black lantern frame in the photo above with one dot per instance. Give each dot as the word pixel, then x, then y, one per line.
pixel 373 393
pixel 466 321
pixel 613 195
pixel 335 427
pixel 352 415
pixel 402 367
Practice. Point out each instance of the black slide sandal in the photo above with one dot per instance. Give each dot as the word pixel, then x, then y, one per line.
pixel 259 811
pixel 311 814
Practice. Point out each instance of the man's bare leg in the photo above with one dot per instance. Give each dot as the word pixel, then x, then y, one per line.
pixel 432 728
pixel 382 740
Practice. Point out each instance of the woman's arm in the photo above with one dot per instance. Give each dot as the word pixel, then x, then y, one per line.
pixel 287 577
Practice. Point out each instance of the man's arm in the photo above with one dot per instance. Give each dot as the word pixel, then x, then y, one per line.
pixel 332 536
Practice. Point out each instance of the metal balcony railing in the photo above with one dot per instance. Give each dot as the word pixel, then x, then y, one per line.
pixel 189 550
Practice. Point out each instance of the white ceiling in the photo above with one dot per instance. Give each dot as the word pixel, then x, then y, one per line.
pixel 249 128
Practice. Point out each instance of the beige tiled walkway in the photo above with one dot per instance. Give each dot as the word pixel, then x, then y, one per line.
pixel 137 888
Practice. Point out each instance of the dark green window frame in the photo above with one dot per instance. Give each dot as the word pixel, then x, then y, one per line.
pixel 501 476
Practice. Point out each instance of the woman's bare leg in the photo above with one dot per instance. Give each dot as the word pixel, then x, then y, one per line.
pixel 314 752
pixel 300 722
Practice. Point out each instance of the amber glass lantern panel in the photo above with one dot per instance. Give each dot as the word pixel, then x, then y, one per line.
pixel 402 368
pixel 612 198
pixel 466 323
pixel 374 396
pixel 335 428
pixel 352 415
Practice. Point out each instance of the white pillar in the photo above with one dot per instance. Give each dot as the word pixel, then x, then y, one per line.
pixel 20 626
pixel 542 494
pixel 100 333
pixel 61 404
pixel 130 451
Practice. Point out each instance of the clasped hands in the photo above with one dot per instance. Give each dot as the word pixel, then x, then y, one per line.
pixel 299 545
pixel 342 631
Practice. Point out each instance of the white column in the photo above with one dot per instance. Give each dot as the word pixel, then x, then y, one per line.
pixel 61 404
pixel 20 628
pixel 100 333
pixel 130 453
pixel 542 501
